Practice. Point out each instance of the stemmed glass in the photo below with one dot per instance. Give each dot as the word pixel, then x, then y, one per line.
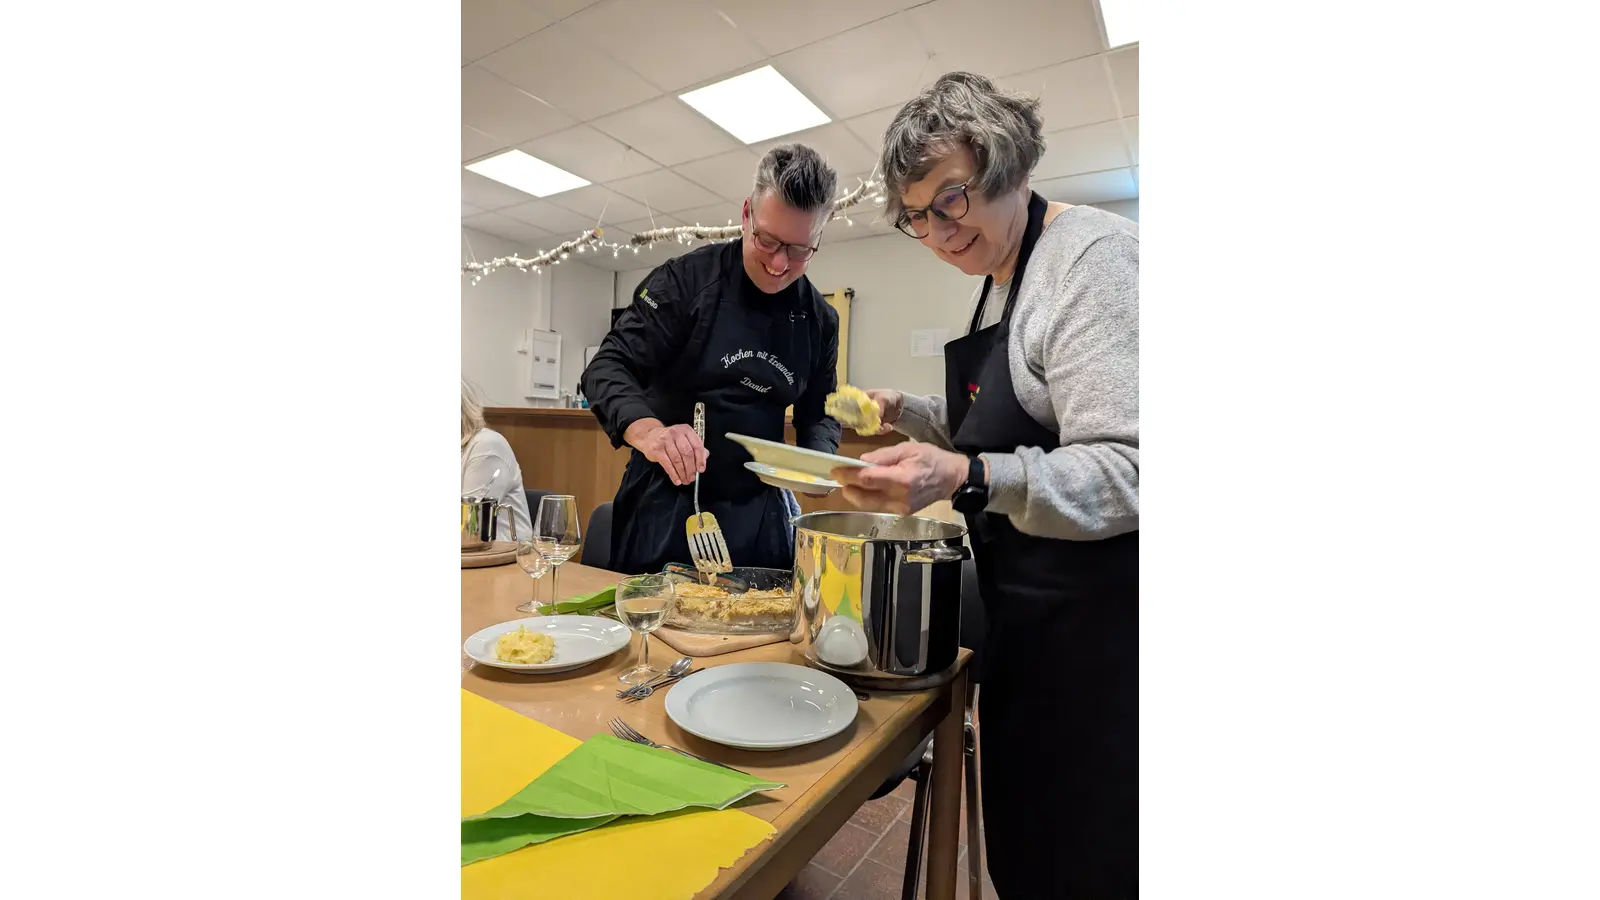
pixel 556 535
pixel 643 602
pixel 534 563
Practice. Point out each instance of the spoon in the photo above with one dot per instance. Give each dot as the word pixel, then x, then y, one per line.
pixel 676 670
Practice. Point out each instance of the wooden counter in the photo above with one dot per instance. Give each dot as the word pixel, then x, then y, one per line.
pixel 565 450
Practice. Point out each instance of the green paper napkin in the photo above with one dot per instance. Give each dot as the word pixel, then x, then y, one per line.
pixel 583 603
pixel 604 779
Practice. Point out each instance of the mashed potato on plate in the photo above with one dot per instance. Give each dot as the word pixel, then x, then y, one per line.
pixel 524 647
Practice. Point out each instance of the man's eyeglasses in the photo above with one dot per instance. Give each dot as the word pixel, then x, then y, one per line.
pixel 950 205
pixel 797 252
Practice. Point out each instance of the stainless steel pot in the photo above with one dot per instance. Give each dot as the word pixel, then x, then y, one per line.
pixel 480 518
pixel 879 605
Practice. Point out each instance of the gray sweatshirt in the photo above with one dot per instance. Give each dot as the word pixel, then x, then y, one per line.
pixel 1074 354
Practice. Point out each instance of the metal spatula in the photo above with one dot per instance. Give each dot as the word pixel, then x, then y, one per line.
pixel 707 546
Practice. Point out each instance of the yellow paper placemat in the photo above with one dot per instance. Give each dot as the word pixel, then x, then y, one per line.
pixel 666 857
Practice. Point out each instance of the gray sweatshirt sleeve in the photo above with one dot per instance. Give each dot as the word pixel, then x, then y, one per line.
pixel 925 419
pixel 1084 346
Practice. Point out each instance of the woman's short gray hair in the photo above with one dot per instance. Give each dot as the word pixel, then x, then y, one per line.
pixel 800 176
pixel 471 413
pixel 1003 129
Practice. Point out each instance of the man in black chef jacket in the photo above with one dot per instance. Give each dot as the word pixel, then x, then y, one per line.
pixel 736 326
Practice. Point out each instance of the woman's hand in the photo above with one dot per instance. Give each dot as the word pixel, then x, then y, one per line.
pixel 904 478
pixel 890 404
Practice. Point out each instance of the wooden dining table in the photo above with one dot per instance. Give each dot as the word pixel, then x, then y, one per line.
pixel 825 782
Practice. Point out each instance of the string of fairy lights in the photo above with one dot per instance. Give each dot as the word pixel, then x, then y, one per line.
pixel 867 192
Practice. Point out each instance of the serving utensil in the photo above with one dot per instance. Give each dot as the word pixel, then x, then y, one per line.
pixel 707 547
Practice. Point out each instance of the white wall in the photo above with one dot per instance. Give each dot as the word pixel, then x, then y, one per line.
pixel 1128 209
pixel 494 314
pixel 580 311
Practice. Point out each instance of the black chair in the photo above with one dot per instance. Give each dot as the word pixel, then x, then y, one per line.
pixel 919 765
pixel 533 496
pixel 597 538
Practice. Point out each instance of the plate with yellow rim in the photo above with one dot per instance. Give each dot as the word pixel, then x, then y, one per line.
pixel 796 459
pixel 791 479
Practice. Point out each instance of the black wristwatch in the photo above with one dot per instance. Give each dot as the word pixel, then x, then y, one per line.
pixel 972 497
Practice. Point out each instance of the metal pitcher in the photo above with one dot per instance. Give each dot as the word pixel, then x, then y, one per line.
pixel 881 605
pixel 480 518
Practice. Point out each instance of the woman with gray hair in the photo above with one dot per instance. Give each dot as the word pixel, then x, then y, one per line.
pixel 1036 442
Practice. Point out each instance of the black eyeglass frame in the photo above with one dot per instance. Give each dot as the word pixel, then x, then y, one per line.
pixel 903 222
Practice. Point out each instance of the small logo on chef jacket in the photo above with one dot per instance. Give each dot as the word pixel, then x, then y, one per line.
pixel 972 391
pixel 645 296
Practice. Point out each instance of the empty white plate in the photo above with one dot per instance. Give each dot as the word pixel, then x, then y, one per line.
pixel 791 479
pixel 788 456
pixel 762 705
pixel 580 640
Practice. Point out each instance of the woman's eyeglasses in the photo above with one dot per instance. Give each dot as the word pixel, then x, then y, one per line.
pixel 950 205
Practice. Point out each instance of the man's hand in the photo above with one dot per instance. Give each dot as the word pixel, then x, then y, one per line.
pixel 890 404
pixel 904 478
pixel 678 450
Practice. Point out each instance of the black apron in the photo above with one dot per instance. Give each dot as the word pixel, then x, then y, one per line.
pixel 751 341
pixel 1058 713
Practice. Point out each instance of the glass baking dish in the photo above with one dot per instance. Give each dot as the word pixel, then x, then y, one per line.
pixel 743 601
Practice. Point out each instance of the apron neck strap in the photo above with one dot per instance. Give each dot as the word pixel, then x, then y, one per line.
pixel 1030 236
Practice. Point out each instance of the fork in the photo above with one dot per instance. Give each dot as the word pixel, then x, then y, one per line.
pixel 625 731
pixel 706 544
pixel 643 691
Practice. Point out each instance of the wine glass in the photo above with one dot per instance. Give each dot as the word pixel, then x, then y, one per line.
pixel 643 602
pixel 534 563
pixel 556 535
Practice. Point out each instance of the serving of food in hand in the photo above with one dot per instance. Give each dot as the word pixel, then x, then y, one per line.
pixel 852 407
pixel 546 643
pixel 745 601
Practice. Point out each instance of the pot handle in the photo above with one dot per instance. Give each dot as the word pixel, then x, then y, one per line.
pixel 937 555
pixel 510 517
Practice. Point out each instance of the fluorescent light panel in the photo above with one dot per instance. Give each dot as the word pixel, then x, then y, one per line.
pixel 756 106
pixel 528 174
pixel 1122 21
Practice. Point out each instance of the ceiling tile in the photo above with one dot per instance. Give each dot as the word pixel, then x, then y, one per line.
pixel 595 202
pixel 486 193
pixel 1070 94
pixel 594 155
pixel 550 217
pixel 646 35
pixel 837 144
pixel 716 214
pixel 1092 148
pixel 867 225
pixel 500 226
pixel 861 70
pixel 1001 37
pixel 781 27
pixel 661 220
pixel 870 127
pixel 467 209
pixel 1096 187
pixel 668 131
pixel 503 113
pixel 664 190
pixel 488 25
pixel 1130 127
pixel 560 9
pixel 568 71
pixel 475 143
pixel 729 175
pixel 1125 78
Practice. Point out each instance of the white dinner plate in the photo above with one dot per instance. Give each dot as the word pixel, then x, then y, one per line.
pixel 580 640
pixel 792 479
pixel 800 459
pixel 762 705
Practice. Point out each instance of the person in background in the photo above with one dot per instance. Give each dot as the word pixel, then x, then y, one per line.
pixel 484 453
pixel 1036 443
pixel 736 326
